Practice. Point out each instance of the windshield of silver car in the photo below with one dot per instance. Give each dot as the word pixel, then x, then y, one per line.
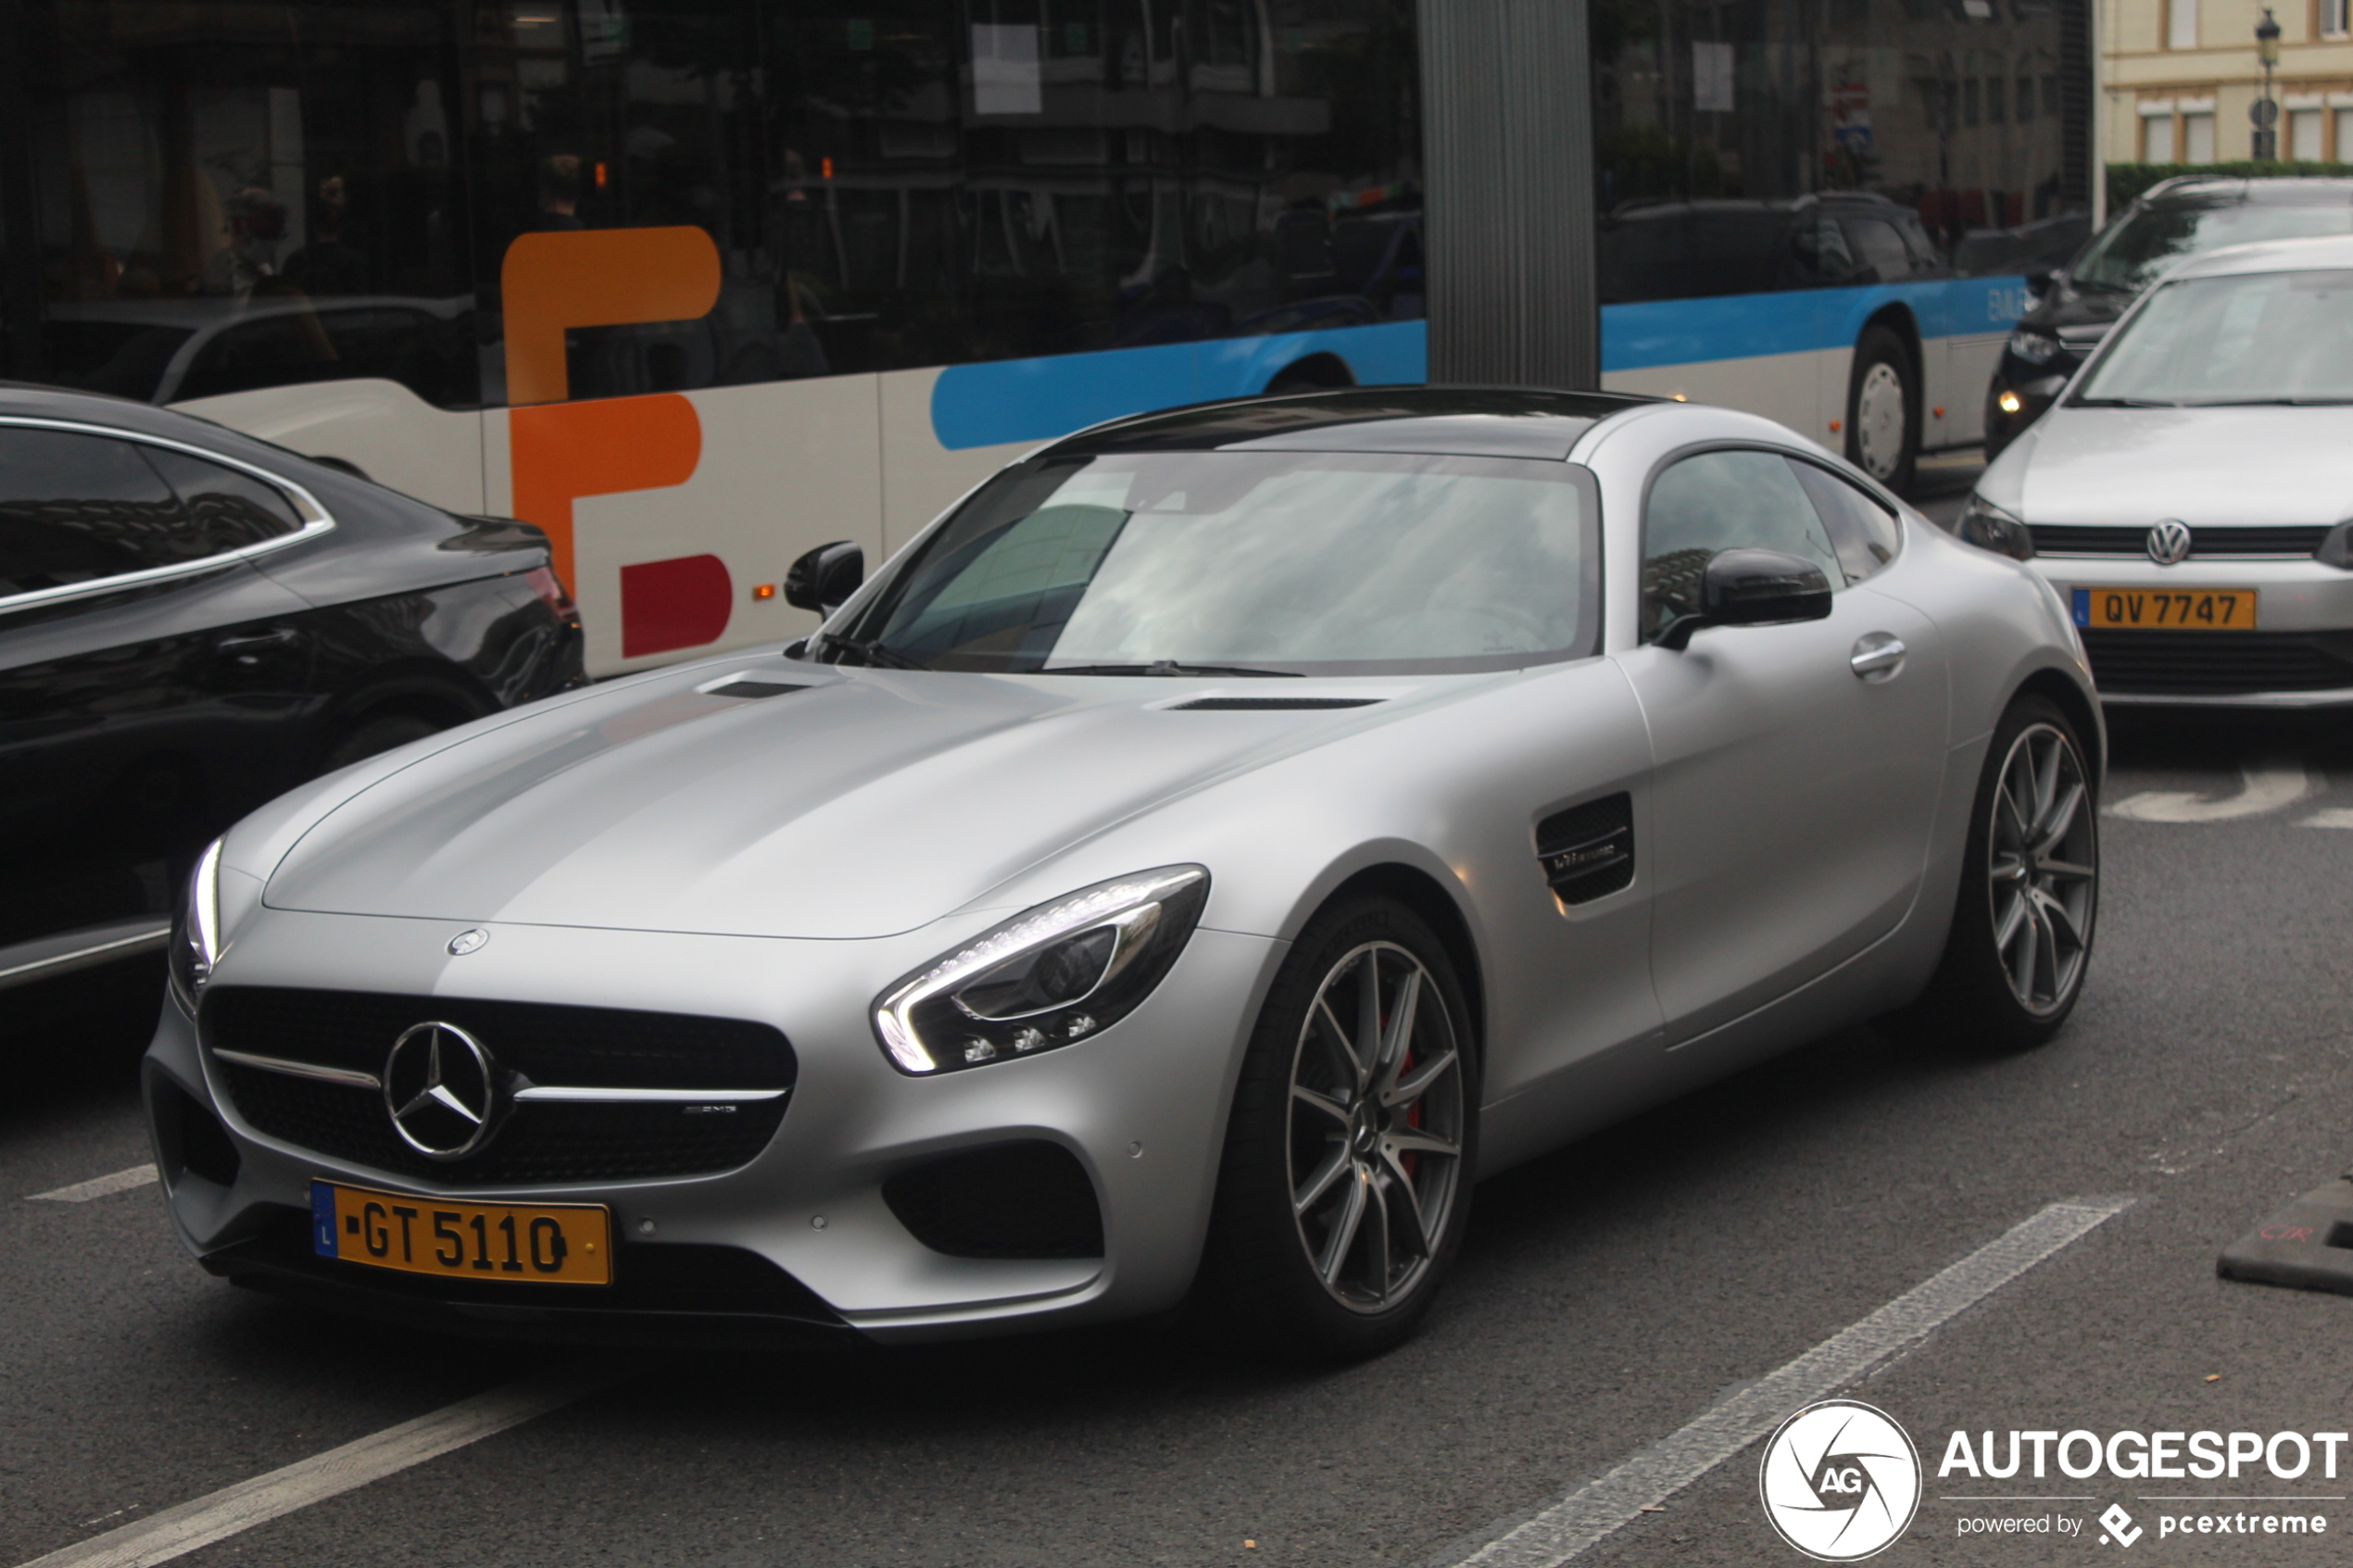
pixel 2128 258
pixel 1240 563
pixel 2248 338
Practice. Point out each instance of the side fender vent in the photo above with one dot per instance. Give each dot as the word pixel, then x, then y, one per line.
pixel 1588 850
pixel 1268 704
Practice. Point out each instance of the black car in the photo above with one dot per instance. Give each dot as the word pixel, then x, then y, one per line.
pixel 2081 301
pixel 193 621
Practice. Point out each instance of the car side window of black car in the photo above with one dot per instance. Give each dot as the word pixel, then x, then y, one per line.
pixel 1864 532
pixel 1879 248
pixel 1720 501
pixel 76 508
pixel 227 509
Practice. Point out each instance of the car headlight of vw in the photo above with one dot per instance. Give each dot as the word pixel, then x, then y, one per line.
pixel 195 929
pixel 1990 528
pixel 1056 974
pixel 2035 349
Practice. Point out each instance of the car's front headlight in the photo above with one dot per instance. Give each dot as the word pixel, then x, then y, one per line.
pixel 1990 528
pixel 2032 346
pixel 1053 974
pixel 195 930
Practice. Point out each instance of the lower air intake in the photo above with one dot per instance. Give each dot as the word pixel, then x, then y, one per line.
pixel 1029 1200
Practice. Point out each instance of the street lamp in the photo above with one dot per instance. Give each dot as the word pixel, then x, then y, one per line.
pixel 2267 115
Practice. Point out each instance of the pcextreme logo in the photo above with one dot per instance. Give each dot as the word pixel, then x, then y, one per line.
pixel 1840 1481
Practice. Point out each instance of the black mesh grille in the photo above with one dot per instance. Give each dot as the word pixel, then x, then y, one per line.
pixel 1027 1199
pixel 2218 663
pixel 550 1045
pixel 2208 544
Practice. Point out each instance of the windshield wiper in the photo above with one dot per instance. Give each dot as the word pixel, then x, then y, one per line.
pixel 2121 403
pixel 876 654
pixel 1158 667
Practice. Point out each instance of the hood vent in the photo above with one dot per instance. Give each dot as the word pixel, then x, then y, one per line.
pixel 1268 704
pixel 749 689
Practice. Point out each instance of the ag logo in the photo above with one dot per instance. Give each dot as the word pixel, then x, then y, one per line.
pixel 1841 1481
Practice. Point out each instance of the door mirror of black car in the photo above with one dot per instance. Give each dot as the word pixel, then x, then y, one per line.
pixel 1752 588
pixel 2038 282
pixel 825 578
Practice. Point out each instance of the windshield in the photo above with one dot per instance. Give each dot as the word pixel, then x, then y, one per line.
pixel 1289 562
pixel 2128 257
pixel 2257 337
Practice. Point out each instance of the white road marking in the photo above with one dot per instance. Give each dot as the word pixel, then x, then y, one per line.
pixel 165 1536
pixel 1592 1512
pixel 99 1186
pixel 2330 817
pixel 2266 786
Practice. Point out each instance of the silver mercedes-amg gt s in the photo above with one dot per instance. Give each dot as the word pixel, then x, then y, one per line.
pixel 1175 877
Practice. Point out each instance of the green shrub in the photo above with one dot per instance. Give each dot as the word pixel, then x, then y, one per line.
pixel 2126 180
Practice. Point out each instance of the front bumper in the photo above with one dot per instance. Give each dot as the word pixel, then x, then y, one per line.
pixel 799 1242
pixel 2298 656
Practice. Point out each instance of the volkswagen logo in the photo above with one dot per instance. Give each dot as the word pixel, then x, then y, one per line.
pixel 2169 542
pixel 442 1089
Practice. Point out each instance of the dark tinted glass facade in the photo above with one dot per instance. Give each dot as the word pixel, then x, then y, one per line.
pixel 208 197
pixel 1809 143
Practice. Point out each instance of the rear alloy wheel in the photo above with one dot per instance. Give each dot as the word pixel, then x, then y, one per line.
pixel 1345 1182
pixel 1883 409
pixel 2021 935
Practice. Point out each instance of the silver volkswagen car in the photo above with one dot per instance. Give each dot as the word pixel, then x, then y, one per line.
pixel 2191 492
pixel 1176 877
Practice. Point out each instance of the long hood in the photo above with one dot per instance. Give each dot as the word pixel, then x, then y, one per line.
pixel 869 803
pixel 2205 466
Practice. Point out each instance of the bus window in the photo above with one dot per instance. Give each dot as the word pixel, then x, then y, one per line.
pixel 231 197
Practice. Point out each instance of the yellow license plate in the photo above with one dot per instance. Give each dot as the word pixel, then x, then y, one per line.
pixel 2167 610
pixel 510 1243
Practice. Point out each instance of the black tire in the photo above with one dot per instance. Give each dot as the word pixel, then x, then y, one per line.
pixel 376 732
pixel 1258 1279
pixel 1879 352
pixel 1975 999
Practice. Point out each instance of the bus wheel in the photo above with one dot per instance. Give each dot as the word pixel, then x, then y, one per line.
pixel 1883 409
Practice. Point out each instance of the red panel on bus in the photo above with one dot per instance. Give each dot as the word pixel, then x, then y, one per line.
pixel 681 603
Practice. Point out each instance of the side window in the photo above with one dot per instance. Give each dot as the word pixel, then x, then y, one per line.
pixel 1878 247
pixel 1865 533
pixel 1720 501
pixel 227 509
pixel 75 509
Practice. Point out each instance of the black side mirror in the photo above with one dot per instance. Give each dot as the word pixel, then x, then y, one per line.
pixel 825 578
pixel 1752 588
pixel 2038 282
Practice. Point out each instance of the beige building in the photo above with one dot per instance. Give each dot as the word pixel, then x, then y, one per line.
pixel 2180 77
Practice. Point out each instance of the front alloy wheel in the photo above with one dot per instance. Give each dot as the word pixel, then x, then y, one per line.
pixel 1375 1143
pixel 1345 1182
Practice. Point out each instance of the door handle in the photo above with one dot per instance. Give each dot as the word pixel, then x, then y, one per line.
pixel 246 649
pixel 1875 653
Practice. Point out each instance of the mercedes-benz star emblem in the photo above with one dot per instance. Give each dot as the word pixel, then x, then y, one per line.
pixel 2169 542
pixel 467 942
pixel 442 1088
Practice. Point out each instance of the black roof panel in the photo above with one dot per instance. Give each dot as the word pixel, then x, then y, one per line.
pixel 1468 421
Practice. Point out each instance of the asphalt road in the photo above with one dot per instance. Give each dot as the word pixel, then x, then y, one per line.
pixel 1607 1296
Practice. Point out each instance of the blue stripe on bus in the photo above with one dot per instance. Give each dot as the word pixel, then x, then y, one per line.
pixel 1746 326
pixel 1004 401
pixel 1009 400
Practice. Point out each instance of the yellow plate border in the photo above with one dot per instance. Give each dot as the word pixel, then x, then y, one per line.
pixel 330 1227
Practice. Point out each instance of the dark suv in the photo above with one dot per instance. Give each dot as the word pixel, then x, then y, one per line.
pixel 2179 218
